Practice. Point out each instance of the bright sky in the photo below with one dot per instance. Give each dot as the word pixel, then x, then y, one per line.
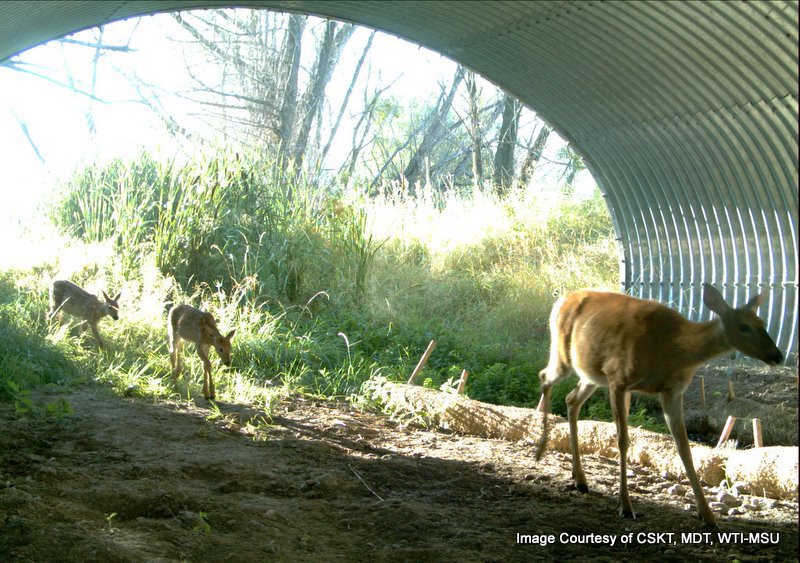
pixel 55 118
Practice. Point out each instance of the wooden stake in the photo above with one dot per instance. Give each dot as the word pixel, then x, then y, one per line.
pixel 758 440
pixel 726 432
pixel 702 392
pixel 422 361
pixel 462 382
pixel 731 394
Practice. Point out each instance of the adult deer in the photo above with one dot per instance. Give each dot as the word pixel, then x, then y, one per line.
pixel 185 322
pixel 67 297
pixel 628 344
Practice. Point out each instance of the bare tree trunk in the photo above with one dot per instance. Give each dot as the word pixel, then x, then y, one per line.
pixel 25 131
pixel 327 57
pixel 474 117
pixel 360 132
pixel 507 140
pixel 572 166
pixel 346 100
pixel 98 51
pixel 534 154
pixel 433 131
pixel 290 66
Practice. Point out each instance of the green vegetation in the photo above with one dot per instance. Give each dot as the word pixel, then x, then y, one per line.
pixel 328 289
pixel 28 358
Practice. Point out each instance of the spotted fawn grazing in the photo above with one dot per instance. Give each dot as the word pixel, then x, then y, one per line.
pixel 67 297
pixel 627 344
pixel 185 322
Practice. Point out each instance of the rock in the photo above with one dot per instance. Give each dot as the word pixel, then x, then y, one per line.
pixel 739 488
pixel 718 506
pixel 189 518
pixel 728 499
pixel 676 490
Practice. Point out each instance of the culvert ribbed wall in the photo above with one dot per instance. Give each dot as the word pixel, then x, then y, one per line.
pixel 686 113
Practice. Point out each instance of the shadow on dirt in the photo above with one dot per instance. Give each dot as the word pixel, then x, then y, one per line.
pixel 124 480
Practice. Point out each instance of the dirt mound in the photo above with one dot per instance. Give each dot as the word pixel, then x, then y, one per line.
pixel 760 391
pixel 771 471
pixel 125 480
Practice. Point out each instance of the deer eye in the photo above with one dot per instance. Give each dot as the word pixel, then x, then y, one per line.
pixel 745 328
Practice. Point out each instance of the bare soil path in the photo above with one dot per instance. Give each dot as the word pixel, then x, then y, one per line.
pixel 127 480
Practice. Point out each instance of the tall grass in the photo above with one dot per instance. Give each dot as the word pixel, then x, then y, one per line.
pixel 28 358
pixel 220 219
pixel 480 274
pixel 326 289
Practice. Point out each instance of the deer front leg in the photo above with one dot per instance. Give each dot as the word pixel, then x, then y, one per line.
pixel 673 413
pixel 208 385
pixel 96 334
pixel 619 398
pixel 575 401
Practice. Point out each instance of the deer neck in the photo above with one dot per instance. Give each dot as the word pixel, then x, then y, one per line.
pixel 700 342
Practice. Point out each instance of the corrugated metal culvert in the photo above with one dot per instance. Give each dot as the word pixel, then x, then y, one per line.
pixel 685 112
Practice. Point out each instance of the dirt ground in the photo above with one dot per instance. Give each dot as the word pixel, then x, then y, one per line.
pixel 128 480
pixel 760 391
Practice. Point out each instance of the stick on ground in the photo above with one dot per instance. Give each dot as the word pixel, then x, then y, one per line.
pixel 726 431
pixel 422 361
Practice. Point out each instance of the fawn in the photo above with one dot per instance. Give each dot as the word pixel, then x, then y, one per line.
pixel 185 322
pixel 68 297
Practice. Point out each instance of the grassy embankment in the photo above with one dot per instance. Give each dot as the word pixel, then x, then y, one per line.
pixel 326 290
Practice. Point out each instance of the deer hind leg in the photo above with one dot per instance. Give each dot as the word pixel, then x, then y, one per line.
pixel 620 401
pixel 555 371
pixel 673 413
pixel 575 401
pixel 175 357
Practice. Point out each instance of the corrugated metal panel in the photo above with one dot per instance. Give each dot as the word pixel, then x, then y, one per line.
pixel 686 113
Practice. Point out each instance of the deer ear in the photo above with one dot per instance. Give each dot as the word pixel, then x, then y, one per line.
pixel 713 299
pixel 105 295
pixel 756 302
pixel 230 334
pixel 116 297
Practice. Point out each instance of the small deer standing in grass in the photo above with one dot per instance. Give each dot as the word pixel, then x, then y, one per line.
pixel 67 297
pixel 628 344
pixel 185 322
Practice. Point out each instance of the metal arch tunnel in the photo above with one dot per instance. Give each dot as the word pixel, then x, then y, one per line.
pixel 686 114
